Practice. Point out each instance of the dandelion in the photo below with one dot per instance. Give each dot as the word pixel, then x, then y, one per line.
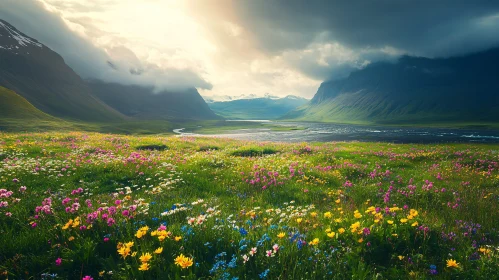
pixel 452 263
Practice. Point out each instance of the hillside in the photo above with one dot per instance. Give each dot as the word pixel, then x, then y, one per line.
pixel 42 77
pixel 14 106
pixel 412 90
pixel 143 103
pixel 257 108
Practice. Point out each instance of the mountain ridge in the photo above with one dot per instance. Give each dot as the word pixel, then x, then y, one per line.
pixel 414 89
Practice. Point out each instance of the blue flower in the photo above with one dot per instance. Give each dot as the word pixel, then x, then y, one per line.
pixel 242 231
pixel 264 274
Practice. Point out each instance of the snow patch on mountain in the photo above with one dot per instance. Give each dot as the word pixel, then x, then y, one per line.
pixel 21 39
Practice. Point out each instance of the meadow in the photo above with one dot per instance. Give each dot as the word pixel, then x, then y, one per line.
pixel 77 205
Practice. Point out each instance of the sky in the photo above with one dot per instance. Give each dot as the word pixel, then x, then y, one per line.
pixel 242 47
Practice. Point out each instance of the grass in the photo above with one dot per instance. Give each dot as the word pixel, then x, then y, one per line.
pixel 73 201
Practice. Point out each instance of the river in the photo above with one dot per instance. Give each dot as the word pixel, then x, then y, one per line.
pixel 325 132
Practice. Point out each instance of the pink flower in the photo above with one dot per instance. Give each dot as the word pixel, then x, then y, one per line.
pixel 88 278
pixel 58 262
pixel 106 239
pixel 8 214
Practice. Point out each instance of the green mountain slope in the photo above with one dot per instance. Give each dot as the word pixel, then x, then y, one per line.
pixel 42 77
pixel 413 90
pixel 14 106
pixel 143 103
pixel 257 108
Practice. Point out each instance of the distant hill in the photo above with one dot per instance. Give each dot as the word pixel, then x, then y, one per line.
pixel 412 90
pixel 257 108
pixel 42 77
pixel 14 106
pixel 143 103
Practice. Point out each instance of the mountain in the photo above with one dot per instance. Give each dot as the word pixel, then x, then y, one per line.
pixel 42 77
pixel 412 90
pixel 268 107
pixel 14 106
pixel 143 103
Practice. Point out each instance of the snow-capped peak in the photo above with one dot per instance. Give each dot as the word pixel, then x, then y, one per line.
pixel 22 40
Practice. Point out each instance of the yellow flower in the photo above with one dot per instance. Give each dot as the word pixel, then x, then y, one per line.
pixel 413 212
pixel 124 251
pixel 390 222
pixel 134 254
pixel 452 263
pixel 145 257
pixel 328 215
pixel 144 266
pixel 415 224
pixel 183 261
pixel 328 230
pixel 314 242
pixel 338 220
pixel 281 235
pixel 299 220
pixel 357 215
pixel 337 201
pixel 403 221
pixel 331 234
pixel 178 238
pixel 401 257
pixel 71 238
pixel 313 214
pixel 484 251
pixel 101 273
pixel 341 230
pixel 360 240
pixel 159 250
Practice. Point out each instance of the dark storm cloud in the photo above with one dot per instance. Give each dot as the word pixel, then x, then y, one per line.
pixel 425 27
pixel 369 30
pixel 31 18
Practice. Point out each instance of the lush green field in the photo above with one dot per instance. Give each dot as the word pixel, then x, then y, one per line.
pixel 106 206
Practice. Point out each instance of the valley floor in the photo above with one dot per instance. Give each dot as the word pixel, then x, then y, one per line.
pixel 102 206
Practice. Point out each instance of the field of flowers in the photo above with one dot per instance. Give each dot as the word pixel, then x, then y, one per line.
pixel 101 206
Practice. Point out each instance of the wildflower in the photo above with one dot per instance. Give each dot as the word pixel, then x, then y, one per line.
pixel 401 257
pixel 341 230
pixel 145 257
pixel 357 215
pixel 360 240
pixel 183 261
pixel 452 263
pixel 178 238
pixel 71 238
pixel 158 251
pixel 390 222
pixel 299 220
pixel 252 251
pixel 415 224
pixel 245 258
pixel 269 253
pixel 314 242
pixel 313 214
pixel 144 266
pixel 328 215
pixel 331 234
pixel 281 235
pixel 58 262
pixel 88 278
